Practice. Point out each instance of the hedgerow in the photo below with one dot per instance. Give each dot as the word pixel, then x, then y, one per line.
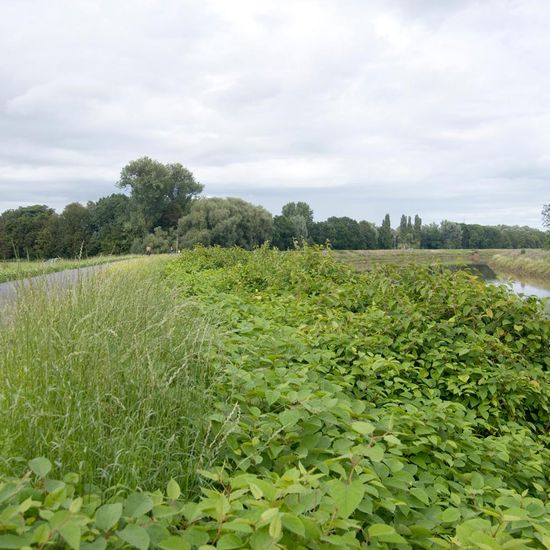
pixel 403 408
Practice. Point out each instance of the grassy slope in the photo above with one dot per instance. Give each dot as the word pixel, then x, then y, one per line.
pixel 13 270
pixel 534 263
pixel 109 379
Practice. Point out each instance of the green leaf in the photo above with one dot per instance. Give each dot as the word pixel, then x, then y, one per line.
pixel 385 533
pixel 136 536
pixel 421 495
pixel 364 428
pixel 71 532
pixel 375 453
pixel 40 466
pixel 173 490
pixel 293 523
pixel 97 544
pixel 346 496
pixel 108 515
pixel 12 541
pixel 137 504
pixel 174 543
pixel 450 515
pixel 229 542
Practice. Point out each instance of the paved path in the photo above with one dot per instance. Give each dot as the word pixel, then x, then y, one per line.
pixel 58 279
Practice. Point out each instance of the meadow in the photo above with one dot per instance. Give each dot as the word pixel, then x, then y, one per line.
pixel 232 399
pixel 22 269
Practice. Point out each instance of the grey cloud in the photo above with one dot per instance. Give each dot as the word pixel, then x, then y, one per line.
pixel 360 107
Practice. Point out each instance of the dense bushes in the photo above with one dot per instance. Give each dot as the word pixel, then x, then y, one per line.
pixel 397 409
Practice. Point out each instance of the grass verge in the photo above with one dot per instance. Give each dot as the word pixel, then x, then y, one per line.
pixel 109 378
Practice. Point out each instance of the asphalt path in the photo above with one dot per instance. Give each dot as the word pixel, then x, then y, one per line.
pixel 49 281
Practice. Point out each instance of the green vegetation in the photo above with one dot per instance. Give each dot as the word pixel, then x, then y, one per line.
pixel 399 408
pixel 22 269
pixel 365 260
pixel 534 263
pixel 109 379
pixel 164 212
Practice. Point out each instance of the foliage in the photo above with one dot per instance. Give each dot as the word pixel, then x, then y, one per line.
pixel 546 215
pixel 111 227
pixel 385 234
pixel 294 224
pixel 23 231
pixel 535 263
pixel 160 193
pixel 225 222
pixel 394 409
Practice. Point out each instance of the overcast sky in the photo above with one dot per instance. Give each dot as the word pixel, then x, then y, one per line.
pixel 435 107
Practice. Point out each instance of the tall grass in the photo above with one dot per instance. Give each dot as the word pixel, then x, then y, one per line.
pixel 109 378
pixel 535 263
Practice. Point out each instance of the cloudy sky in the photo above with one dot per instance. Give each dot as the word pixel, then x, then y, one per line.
pixel 359 107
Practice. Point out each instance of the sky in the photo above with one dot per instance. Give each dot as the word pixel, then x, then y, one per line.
pixel 359 107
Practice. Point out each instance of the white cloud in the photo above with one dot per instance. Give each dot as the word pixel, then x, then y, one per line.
pixel 393 105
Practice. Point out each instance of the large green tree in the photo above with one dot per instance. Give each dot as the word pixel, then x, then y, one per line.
pixel 546 215
pixel 24 232
pixel 160 193
pixel 225 222
pixel 112 230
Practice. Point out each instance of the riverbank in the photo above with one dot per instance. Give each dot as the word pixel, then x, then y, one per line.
pixel 534 263
pixel 530 263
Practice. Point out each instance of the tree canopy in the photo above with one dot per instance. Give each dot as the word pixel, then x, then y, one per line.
pixel 225 222
pixel 160 193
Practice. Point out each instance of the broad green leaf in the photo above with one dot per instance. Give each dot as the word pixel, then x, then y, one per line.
pixel 173 490
pixel 40 466
pixel 346 496
pixel 12 541
pixel 364 428
pixel 136 536
pixel 71 532
pixel 229 542
pixel 450 515
pixel 137 504
pixel 174 543
pixel 375 453
pixel 293 523
pixel 107 516
pixel 98 544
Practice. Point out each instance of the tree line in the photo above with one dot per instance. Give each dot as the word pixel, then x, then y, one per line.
pixel 163 211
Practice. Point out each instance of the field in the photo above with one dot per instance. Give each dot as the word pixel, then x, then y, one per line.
pixel 22 269
pixel 231 399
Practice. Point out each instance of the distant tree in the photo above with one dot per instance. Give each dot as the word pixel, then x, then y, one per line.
pixel 546 216
pixel 284 233
pixel 302 209
pixel 451 234
pixel 225 222
pixel 417 230
pixel 343 233
pixel 160 193
pixel 431 236
pixel 369 235
pixel 75 230
pixel 23 232
pixel 385 235
pixel 112 229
